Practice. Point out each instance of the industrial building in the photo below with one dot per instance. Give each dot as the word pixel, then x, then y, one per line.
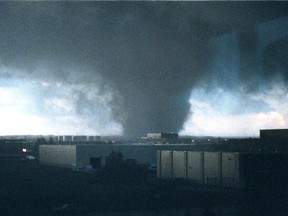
pixel 209 168
pixel 82 153
pixel 80 138
pixel 85 155
pixel 162 137
pixel 12 147
pixel 273 133
pixel 224 169
pixel 274 136
pixel 261 163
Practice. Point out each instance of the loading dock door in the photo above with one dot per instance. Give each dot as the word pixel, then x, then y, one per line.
pixel 95 162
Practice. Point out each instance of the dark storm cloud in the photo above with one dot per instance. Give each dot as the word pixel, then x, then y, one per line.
pixel 154 62
pixel 275 59
pixel 148 54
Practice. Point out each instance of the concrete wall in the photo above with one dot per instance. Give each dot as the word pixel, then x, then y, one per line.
pixel 230 169
pixel 164 165
pixel 58 155
pixel 154 135
pixel 142 153
pixel 65 155
pixel 80 138
pixel 212 168
pixel 195 167
pixel 85 152
pixel 179 164
pixel 278 133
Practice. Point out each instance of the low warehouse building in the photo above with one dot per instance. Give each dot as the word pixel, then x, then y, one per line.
pixel 64 155
pixel 94 156
pixel 224 169
pixel 85 155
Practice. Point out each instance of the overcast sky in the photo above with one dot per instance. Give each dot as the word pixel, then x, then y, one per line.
pixel 111 68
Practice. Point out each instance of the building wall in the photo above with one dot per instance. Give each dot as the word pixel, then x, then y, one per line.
pixel 179 164
pixel 85 152
pixel 60 138
pixel 165 164
pixel 209 168
pixel 163 137
pixel 68 138
pixel 94 138
pixel 143 154
pixel 154 135
pixel 274 133
pixel 195 167
pixel 230 170
pixel 80 139
pixel 58 155
pixel 212 168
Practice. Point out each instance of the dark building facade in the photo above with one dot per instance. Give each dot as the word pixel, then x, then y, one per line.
pixel 274 134
pixel 275 140
pixel 163 137
pixel 252 172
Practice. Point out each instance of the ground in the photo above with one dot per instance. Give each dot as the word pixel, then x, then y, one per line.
pixel 28 188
